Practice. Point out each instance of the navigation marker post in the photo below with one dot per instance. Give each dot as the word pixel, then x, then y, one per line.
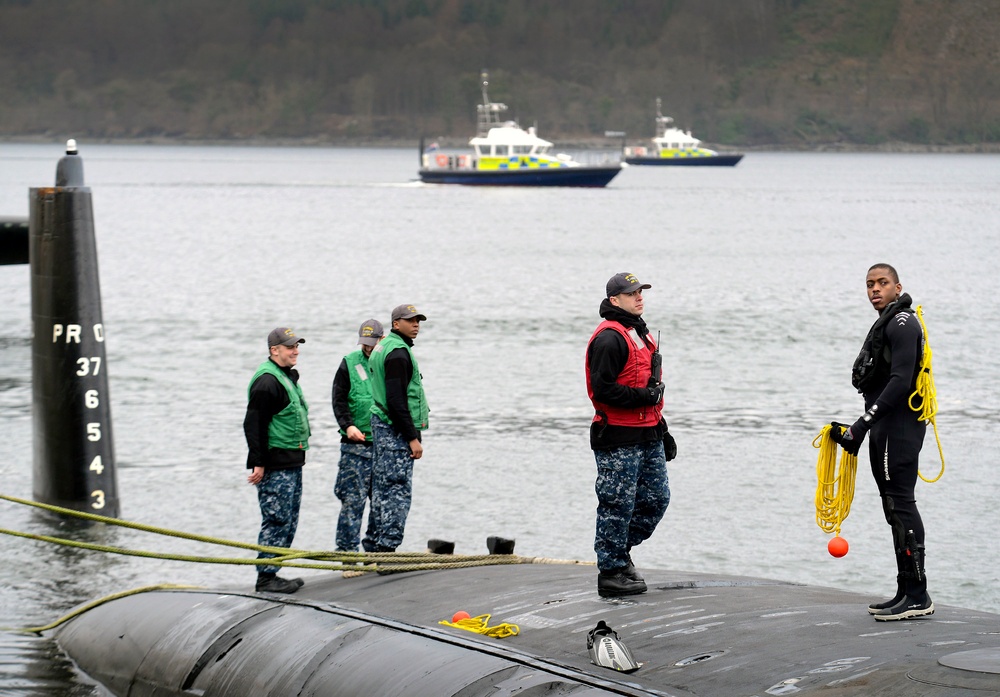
pixel 74 464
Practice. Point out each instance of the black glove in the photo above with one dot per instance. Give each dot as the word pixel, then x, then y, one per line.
pixel 669 446
pixel 850 440
pixel 654 393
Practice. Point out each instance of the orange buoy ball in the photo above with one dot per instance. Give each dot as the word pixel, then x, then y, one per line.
pixel 460 615
pixel 837 547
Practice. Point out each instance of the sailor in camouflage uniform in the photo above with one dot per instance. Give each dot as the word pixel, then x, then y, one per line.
pixel 277 432
pixel 352 401
pixel 399 415
pixel 628 435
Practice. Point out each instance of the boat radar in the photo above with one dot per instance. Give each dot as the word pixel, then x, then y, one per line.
pixel 488 113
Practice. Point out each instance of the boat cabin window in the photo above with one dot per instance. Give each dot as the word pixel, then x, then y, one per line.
pixel 501 150
pixel 522 149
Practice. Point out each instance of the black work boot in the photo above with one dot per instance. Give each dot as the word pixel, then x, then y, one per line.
pixel 272 583
pixel 615 582
pixel 631 571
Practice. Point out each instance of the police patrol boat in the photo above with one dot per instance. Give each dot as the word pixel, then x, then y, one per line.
pixel 504 154
pixel 678 148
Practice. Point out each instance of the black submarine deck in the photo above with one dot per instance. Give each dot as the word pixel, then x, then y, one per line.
pixel 694 634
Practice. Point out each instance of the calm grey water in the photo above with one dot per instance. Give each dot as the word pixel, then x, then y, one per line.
pixel 758 292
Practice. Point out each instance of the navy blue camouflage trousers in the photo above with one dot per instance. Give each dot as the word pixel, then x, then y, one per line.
pixel 392 489
pixel 353 488
pixel 633 493
pixel 279 495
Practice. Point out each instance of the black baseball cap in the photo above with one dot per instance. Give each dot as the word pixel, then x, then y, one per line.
pixel 283 336
pixel 371 331
pixel 407 312
pixel 625 283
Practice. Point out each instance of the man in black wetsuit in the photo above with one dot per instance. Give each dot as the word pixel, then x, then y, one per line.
pixel 885 372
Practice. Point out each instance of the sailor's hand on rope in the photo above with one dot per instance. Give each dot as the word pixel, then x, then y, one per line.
pixel 848 437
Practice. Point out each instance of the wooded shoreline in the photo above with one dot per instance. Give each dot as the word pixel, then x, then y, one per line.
pixel 753 74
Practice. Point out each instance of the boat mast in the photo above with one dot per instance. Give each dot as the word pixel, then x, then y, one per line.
pixel 488 113
pixel 661 121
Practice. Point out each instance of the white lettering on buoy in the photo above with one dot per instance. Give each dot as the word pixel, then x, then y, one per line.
pixel 72 332
pixel 99 332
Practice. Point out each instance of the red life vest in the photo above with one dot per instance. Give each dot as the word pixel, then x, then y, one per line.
pixel 635 374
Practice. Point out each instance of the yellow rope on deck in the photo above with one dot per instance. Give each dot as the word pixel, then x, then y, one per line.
pixel 835 485
pixel 480 625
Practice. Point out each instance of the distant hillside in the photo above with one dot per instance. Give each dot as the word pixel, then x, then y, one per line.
pixel 742 72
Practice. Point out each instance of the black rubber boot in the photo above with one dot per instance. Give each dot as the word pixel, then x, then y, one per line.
pixel 902 564
pixel 916 601
pixel 900 592
pixel 614 583
pixel 907 608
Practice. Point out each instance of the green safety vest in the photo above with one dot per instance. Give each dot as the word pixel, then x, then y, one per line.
pixel 359 399
pixel 415 397
pixel 289 429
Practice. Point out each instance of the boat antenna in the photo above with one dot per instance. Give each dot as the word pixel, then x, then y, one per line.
pixel 661 121
pixel 488 112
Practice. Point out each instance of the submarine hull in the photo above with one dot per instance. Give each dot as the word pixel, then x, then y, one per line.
pixel 694 634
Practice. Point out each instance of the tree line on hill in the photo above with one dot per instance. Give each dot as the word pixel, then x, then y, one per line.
pixel 799 73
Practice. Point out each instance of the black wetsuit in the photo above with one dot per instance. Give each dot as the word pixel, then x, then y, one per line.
pixel 897 433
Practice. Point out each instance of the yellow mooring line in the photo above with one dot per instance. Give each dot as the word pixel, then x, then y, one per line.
pixel 352 563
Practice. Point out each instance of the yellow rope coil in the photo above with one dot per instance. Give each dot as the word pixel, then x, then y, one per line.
pixel 835 485
pixel 479 625
pixel 925 391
